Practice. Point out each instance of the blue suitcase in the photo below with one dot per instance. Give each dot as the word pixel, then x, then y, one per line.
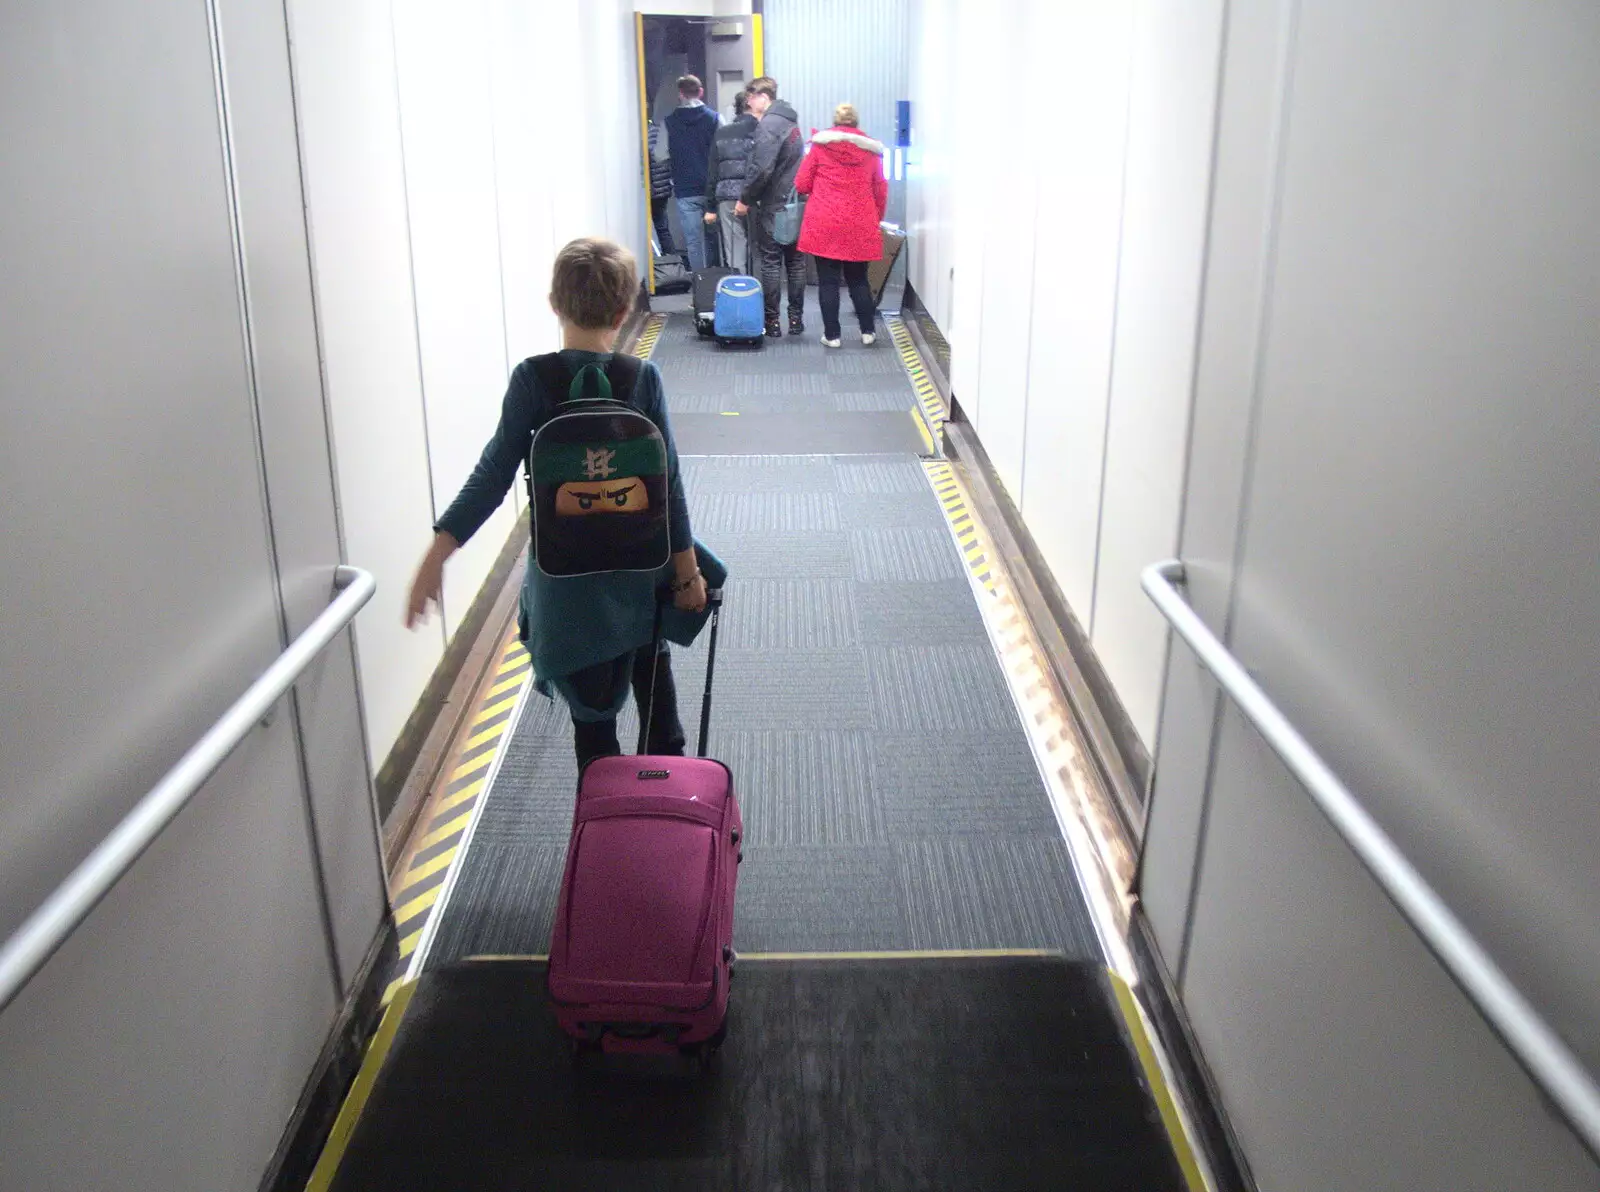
pixel 740 314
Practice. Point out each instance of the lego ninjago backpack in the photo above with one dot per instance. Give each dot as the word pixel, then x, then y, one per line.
pixel 597 474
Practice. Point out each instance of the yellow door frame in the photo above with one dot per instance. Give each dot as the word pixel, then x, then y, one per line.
pixel 758 67
pixel 644 145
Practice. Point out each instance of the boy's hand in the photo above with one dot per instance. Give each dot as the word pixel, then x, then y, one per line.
pixel 711 217
pixel 692 598
pixel 740 209
pixel 426 587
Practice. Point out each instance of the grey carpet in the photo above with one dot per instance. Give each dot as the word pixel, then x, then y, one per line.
pixel 790 395
pixel 890 798
pixel 873 432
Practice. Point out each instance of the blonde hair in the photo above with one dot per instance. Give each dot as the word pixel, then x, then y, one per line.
pixel 845 113
pixel 593 283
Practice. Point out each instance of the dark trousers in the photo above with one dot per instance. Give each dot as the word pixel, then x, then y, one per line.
pixel 658 216
pixel 855 276
pixel 776 264
pixel 594 685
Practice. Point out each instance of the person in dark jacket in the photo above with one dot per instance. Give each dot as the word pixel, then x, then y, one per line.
pixel 843 174
pixel 774 159
pixel 690 129
pixel 730 154
pixel 660 189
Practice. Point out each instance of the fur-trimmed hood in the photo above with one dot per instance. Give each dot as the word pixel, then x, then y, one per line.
pixel 843 134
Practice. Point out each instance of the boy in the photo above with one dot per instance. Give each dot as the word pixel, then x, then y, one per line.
pixel 588 635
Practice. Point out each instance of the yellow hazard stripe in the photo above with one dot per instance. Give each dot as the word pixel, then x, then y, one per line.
pixel 457 798
pixel 934 411
pixel 412 906
pixel 344 1126
pixel 501 704
pixel 648 335
pixel 514 683
pixel 442 833
pixel 932 954
pixel 1181 1146
pixel 452 810
pixel 468 769
pixel 479 738
pixel 962 522
pixel 430 866
pixel 910 954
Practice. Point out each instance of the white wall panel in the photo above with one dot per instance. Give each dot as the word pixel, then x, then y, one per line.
pixel 973 135
pixel 450 151
pixel 826 52
pixel 523 203
pixel 1171 108
pixel 523 136
pixel 1063 264
pixel 442 57
pixel 1008 273
pixel 355 187
pixel 1080 189
pixel 1242 186
pixel 930 178
pixel 570 94
pixel 297 451
pixel 613 62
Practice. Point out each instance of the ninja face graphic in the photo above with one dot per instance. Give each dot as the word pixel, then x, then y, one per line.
pixel 603 491
pixel 598 487
pixel 580 498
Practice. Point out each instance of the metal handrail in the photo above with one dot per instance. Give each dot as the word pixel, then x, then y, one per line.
pixel 26 952
pixel 1537 1047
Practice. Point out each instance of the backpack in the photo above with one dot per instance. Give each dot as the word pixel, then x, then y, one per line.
pixel 597 475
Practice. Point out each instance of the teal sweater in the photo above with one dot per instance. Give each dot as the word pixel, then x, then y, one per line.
pixel 575 622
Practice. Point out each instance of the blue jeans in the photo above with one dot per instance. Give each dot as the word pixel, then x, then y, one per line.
pixel 693 214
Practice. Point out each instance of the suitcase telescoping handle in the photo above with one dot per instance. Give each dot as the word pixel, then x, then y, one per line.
pixel 714 604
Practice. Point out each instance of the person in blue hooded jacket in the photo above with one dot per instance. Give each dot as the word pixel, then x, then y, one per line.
pixel 690 130
pixel 588 635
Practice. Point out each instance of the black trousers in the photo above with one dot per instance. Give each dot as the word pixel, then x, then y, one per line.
pixel 776 264
pixel 855 276
pixel 658 216
pixel 594 685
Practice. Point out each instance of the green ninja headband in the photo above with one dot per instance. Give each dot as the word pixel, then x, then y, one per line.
pixel 595 463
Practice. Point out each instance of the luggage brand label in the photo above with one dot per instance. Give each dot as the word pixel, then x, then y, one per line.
pixel 654 775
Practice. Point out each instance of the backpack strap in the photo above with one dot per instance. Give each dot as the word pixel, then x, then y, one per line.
pixel 621 377
pixel 623 372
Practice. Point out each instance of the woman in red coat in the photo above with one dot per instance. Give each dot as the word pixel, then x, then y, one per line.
pixel 843 174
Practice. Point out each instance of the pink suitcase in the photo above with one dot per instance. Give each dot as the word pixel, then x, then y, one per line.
pixel 642 951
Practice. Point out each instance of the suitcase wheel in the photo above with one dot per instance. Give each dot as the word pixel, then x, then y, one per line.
pixel 704 1054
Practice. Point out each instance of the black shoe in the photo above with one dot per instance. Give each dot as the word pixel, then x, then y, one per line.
pixel 774 330
pixel 797 325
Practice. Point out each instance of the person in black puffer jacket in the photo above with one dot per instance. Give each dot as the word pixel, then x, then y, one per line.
pixel 774 159
pixel 730 154
pixel 660 190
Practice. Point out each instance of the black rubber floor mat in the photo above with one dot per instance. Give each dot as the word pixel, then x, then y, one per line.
pixel 968 1073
